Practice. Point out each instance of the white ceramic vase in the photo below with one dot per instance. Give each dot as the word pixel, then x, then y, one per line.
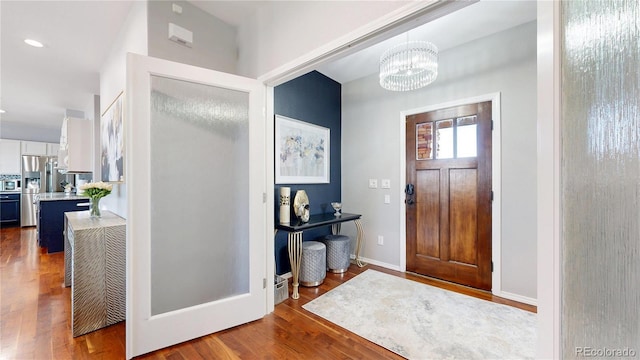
pixel 285 205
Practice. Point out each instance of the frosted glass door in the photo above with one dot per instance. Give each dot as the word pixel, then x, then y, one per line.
pixel 199 194
pixel 196 215
pixel 600 316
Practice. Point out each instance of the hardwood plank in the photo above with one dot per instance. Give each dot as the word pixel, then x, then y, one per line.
pixel 35 314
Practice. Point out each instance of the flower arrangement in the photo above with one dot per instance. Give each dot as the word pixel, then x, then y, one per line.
pixel 96 191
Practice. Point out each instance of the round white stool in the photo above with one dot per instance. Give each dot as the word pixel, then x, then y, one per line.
pixel 338 249
pixel 313 264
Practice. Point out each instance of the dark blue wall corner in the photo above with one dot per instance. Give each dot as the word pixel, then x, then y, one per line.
pixel 316 99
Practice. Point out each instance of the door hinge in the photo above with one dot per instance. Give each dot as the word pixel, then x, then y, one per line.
pixel 264 280
pixel 491 124
pixel 264 198
pixel 491 195
pixel 491 266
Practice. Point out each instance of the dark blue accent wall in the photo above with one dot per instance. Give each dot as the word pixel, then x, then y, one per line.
pixel 316 99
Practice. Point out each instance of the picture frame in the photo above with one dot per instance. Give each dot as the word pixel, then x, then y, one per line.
pixel 302 152
pixel 112 141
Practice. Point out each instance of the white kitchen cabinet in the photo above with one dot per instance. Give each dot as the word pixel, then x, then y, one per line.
pixel 34 148
pixel 76 144
pixel 10 157
pixel 52 149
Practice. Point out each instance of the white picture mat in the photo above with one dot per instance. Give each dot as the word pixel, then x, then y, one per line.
pixel 302 152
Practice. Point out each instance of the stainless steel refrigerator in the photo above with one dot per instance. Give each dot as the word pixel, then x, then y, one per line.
pixel 39 175
pixel 33 176
pixel 54 179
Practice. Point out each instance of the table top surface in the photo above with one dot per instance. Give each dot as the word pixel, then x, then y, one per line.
pixel 57 196
pixel 82 220
pixel 317 221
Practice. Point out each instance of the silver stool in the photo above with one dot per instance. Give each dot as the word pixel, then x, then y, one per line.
pixel 313 264
pixel 338 249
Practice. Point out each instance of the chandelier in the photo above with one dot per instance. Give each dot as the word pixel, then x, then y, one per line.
pixel 409 66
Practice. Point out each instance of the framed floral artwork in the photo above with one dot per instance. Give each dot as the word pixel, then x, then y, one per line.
pixel 302 152
pixel 112 142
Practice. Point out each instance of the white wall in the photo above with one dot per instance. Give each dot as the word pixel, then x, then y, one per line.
pixel 132 38
pixel 282 31
pixel 214 41
pixel 504 62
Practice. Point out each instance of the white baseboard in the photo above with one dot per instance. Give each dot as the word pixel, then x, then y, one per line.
pixel 516 297
pixel 378 263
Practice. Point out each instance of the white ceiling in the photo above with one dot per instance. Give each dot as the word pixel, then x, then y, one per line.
pixel 470 23
pixel 37 85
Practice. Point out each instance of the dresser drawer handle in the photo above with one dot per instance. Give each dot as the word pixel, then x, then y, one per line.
pixel 83 204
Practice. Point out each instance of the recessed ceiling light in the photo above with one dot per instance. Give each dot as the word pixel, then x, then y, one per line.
pixel 2 111
pixel 33 43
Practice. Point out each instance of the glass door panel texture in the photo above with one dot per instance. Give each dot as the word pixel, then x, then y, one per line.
pixel 600 172
pixel 198 216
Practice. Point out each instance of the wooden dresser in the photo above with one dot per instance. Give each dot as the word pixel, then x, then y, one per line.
pixel 94 257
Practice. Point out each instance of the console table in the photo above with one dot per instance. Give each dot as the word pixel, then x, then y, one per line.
pixel 294 239
pixel 94 257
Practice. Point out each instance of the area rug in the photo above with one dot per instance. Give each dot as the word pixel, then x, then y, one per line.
pixel 419 321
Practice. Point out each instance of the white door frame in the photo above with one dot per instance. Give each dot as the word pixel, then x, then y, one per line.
pixel 549 211
pixel 496 206
pixel 548 50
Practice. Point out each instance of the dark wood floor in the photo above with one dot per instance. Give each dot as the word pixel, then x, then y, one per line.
pixel 35 318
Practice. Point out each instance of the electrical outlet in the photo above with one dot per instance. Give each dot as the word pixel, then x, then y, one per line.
pixel 387 199
pixel 385 184
pixel 380 240
pixel 373 183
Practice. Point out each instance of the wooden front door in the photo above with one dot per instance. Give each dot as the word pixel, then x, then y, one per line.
pixel 448 194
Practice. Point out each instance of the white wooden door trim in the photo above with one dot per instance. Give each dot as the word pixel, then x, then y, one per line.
pixel 549 210
pixel 145 333
pixel 496 156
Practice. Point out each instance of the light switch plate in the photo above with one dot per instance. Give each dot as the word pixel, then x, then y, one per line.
pixel 385 184
pixel 373 183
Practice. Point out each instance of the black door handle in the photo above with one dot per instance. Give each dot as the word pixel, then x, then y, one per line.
pixel 409 189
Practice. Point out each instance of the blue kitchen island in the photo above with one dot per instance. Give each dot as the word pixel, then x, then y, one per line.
pixel 51 209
